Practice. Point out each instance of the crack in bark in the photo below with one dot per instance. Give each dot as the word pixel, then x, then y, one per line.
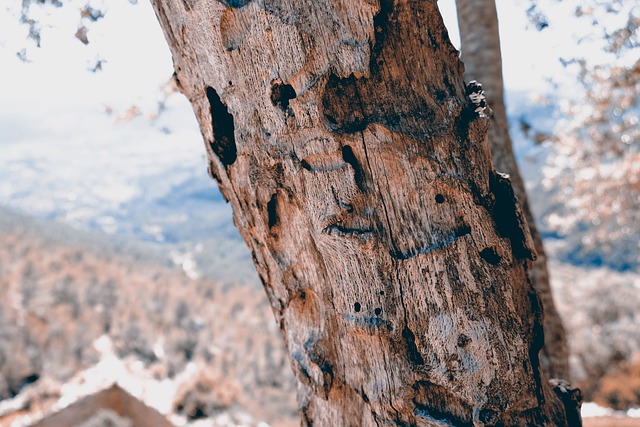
pixel 397 274
pixel 571 398
pixel 384 206
pixel 537 339
pixel 379 23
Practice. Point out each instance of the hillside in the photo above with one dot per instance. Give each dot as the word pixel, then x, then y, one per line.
pixel 74 301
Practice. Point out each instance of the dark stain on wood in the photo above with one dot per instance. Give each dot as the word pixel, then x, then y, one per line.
pixel 188 4
pixel 412 349
pixel 351 103
pixel 463 340
pixel 272 211
pixel 488 417
pixel 509 222
pixel 281 94
pixel 446 240
pixel 434 402
pixel 224 141
pixel 236 4
pixel 350 158
pixel 490 255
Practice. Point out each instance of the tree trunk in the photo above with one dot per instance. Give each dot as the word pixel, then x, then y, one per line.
pixel 360 176
pixel 478 24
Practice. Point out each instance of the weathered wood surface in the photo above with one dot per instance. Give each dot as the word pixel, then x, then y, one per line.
pixel 360 177
pixel 481 54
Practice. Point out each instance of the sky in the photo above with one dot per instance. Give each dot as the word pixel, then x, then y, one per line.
pixel 130 39
pixel 61 155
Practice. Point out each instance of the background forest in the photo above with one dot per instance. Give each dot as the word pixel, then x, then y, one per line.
pixel 119 260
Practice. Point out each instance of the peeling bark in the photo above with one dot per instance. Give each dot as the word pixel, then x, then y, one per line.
pixel 363 185
pixel 478 24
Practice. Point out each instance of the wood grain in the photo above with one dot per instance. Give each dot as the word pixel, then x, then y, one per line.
pixel 478 24
pixel 368 200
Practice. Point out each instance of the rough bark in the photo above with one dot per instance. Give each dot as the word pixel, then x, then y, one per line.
pixel 478 25
pixel 360 176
